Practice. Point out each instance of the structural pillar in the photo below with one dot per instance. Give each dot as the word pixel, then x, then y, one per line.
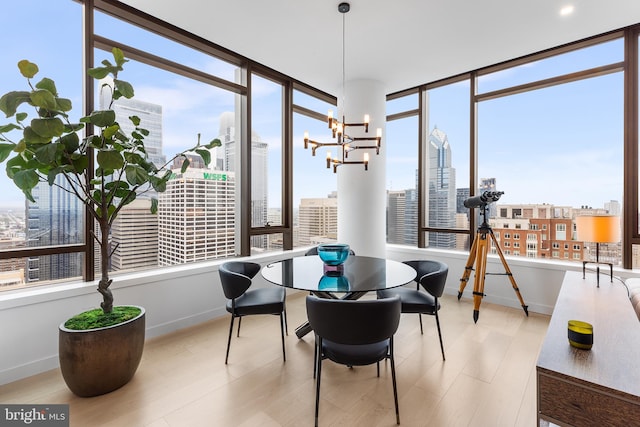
pixel 362 194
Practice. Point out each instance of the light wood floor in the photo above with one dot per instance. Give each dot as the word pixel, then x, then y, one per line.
pixel 488 378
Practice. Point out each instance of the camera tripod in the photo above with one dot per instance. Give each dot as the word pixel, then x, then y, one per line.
pixel 478 255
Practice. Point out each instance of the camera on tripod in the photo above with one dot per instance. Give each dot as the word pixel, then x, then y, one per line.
pixel 483 199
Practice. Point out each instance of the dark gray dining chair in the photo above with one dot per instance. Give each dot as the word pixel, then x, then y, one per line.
pixel 354 333
pixel 432 276
pixel 235 277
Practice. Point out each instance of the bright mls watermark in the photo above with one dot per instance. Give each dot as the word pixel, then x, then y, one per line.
pixel 34 415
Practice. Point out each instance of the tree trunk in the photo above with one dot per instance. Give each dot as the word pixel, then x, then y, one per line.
pixel 105 282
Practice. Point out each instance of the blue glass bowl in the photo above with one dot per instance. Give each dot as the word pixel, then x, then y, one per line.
pixel 333 283
pixel 333 253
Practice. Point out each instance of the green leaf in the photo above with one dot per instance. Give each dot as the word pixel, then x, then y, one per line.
pixel 110 159
pixel 130 198
pixel 102 118
pixel 26 179
pixel 98 72
pixel 71 142
pixel 31 137
pixel 53 173
pixel 27 69
pixel 8 128
pixel 10 101
pixel 185 165
pixel 44 99
pixel 134 158
pixel 48 128
pixel 124 88
pixel 206 156
pixel 64 104
pixel 48 85
pixel 136 175
pixel 47 153
pixel 154 205
pixel 214 143
pixel 116 184
pixel 110 131
pixel 118 56
pixel 80 164
pixel 159 184
pixel 5 151
pixel 21 116
pixel 135 120
pixel 73 127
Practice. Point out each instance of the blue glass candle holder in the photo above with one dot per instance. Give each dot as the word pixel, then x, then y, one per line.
pixel 333 253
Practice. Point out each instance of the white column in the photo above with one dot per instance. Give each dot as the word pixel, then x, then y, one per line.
pixel 362 194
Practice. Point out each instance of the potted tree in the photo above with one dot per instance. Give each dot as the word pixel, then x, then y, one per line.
pixel 99 350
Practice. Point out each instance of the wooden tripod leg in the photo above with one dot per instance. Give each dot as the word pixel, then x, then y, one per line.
pixel 509 274
pixel 468 267
pixel 481 269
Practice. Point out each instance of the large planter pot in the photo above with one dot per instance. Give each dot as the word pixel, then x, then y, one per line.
pixel 98 361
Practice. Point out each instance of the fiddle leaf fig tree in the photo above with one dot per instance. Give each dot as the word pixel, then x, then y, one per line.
pixel 44 146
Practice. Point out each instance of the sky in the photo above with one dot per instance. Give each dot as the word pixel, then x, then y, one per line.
pixel 559 145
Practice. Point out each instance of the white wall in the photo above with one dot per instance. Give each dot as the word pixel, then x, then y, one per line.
pixel 183 296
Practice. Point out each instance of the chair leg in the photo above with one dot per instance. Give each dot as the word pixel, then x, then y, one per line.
pixel 319 373
pixel 393 378
pixel 378 368
pixel 239 323
pixel 229 340
pixel 420 317
pixel 315 356
pixel 440 335
pixel 284 356
pixel 286 327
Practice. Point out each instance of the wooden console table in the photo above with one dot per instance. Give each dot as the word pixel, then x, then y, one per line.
pixel 600 386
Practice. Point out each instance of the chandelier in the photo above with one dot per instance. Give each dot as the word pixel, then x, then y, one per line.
pixel 345 142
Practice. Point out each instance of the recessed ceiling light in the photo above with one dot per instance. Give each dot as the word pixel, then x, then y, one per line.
pixel 567 10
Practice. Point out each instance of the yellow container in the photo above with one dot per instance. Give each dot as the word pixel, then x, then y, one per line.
pixel 580 334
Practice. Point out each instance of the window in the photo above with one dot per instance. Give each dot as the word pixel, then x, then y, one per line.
pixel 56 218
pixel 507 235
pixel 516 236
pixel 401 143
pixel 446 164
pixel 314 187
pixel 266 158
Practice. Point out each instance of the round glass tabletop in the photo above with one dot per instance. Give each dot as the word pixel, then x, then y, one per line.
pixel 357 274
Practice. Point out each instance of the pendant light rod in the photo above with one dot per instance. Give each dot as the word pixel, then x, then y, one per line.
pixel 339 128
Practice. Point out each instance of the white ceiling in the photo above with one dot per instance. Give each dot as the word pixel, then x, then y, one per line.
pixel 401 43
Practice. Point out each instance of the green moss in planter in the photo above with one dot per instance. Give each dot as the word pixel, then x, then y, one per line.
pixel 94 319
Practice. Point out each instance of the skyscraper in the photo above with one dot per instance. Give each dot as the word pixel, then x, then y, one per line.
pixel 318 219
pixel 396 208
pixel 134 236
pixel 226 161
pixel 150 119
pixel 441 190
pixel 196 217
pixel 55 218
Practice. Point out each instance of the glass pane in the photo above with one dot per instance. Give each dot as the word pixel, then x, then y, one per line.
pixel 196 215
pixel 314 187
pixel 139 38
pixel 433 239
pixel 406 103
pixel 55 218
pixel 447 164
pixel 402 176
pixel 583 59
pixel 556 153
pixel 266 156
pixel 312 103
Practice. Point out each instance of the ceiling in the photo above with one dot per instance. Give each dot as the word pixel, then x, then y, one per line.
pixel 401 43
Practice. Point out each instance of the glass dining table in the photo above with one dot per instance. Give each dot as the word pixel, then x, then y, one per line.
pixel 357 276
